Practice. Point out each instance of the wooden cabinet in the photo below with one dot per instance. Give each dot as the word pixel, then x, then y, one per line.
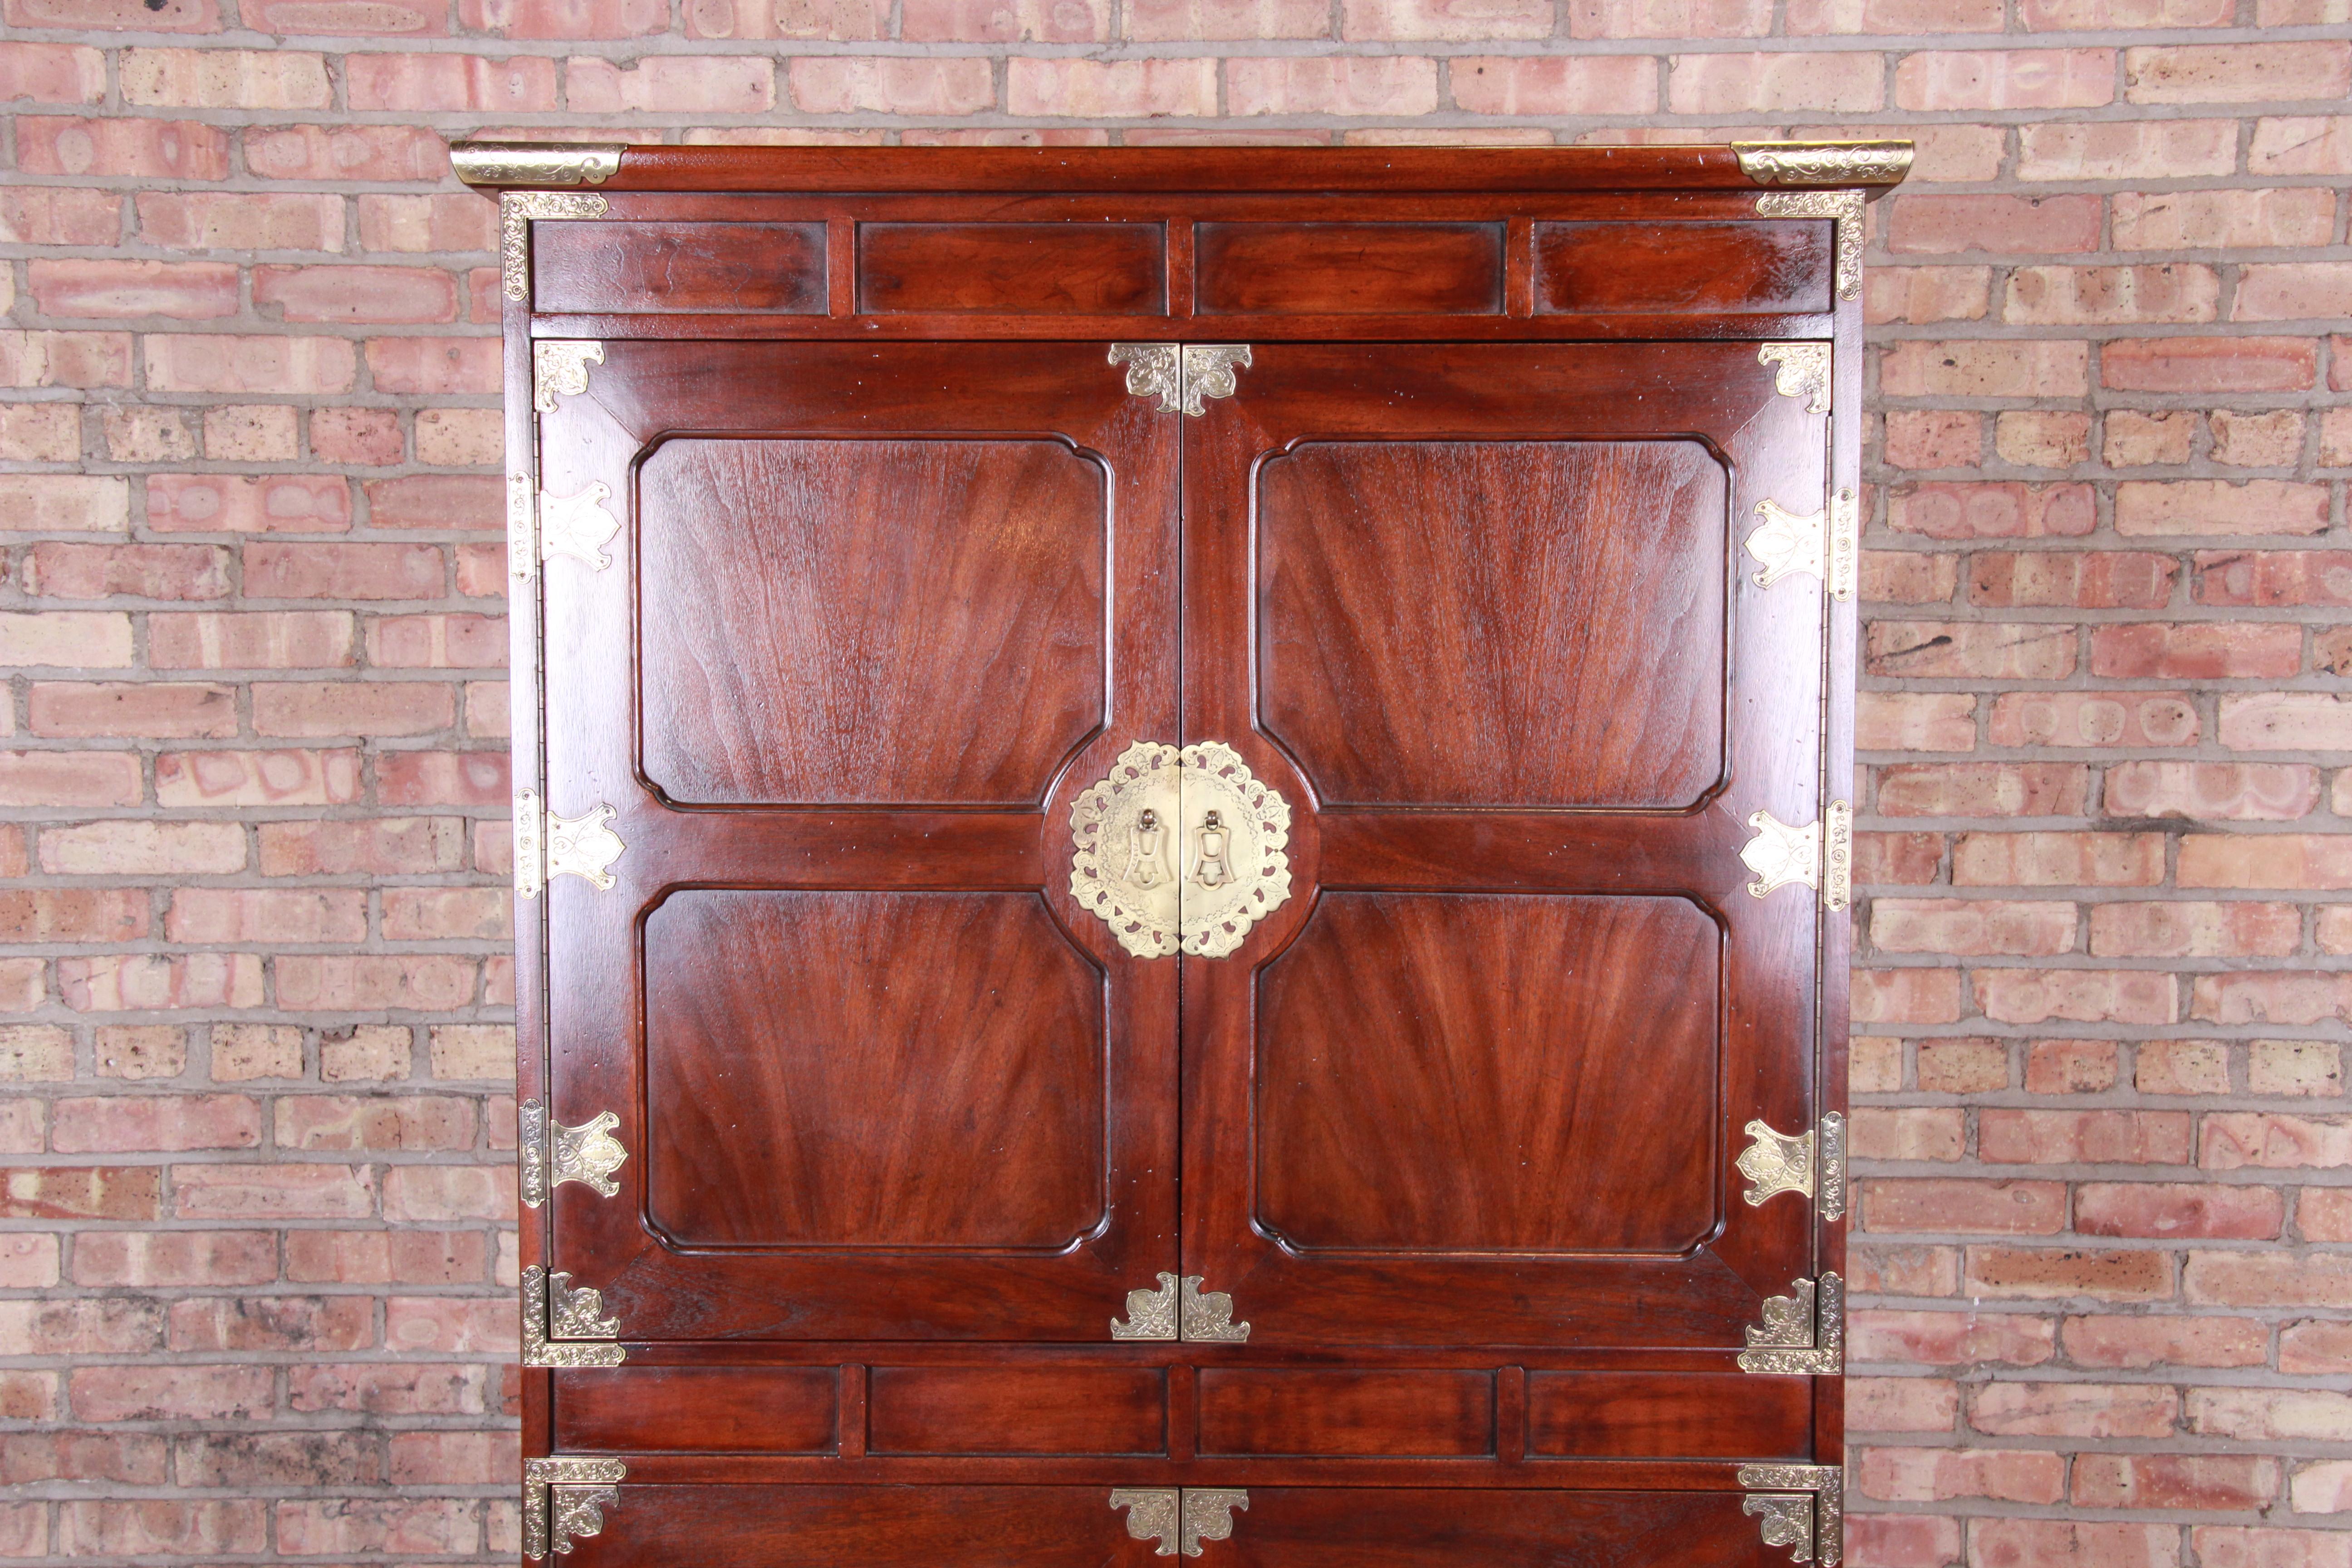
pixel 1181 834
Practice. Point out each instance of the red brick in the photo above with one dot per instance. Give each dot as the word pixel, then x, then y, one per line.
pixel 2274 578
pixel 1915 721
pixel 411 1388
pixel 437 501
pixel 433 367
pixel 424 981
pixel 1926 294
pixel 2006 226
pixel 564 18
pixel 225 779
pixel 1731 83
pixel 2137 1343
pixel 375 152
pixel 2282 860
pixel 447 83
pixel 181 571
pixel 2256 1413
pixel 48 73
pixel 2219 1482
pixel 862 20
pixel 2006 1137
pixel 2213 506
pixel 224 220
pixel 81 709
pixel 2081 996
pixel 1968 1338
pixel 2232 1140
pixel 148 982
pixel 1962 1065
pixel 400 845
pixel 1902 1540
pixel 2210 365
pixel 2167 1209
pixel 2196 930
pixel 2324 1348
pixel 1937 1475
pixel 1950 510
pixel 443 778
pixel 2071 1067
pixel 444 1458
pixel 177 1393
pixel 2090 579
pixel 2301 144
pixel 2238 73
pixel 1971 368
pixel 386 1257
pixel 178 1257
pixel 73 914
pixel 2272 998
pixel 186 290
pixel 371 572
pixel 347 293
pixel 2245 792
pixel 1522 85
pixel 2023 1208
pixel 267 915
pixel 1983 789
pixel 2073 1410
pixel 126 148
pixel 2162 651
pixel 138 1123
pixel 1905 996
pixel 440 1325
pixel 2043 438
pixel 2219 1546
pixel 224 363
pixel 225 503
pixel 1934 438
pixel 270 1193
pixel 363 709
pixel 2037 651
pixel 411 1528
pixel 275 1460
pixel 2068 150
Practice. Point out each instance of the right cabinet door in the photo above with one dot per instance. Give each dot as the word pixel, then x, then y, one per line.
pixel 1485 615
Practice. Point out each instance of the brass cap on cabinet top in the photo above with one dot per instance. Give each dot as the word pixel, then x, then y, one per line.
pixel 1825 162
pixel 535 162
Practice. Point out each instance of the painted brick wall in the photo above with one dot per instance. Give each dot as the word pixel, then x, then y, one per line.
pixel 256 1256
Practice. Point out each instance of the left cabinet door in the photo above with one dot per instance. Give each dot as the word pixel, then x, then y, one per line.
pixel 830 636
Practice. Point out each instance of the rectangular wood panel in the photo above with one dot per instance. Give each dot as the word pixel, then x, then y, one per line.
pixel 1013 269
pixel 1724 268
pixel 1351 1527
pixel 862 1526
pixel 1247 1411
pixel 1017 1410
pixel 775 1410
pixel 1669 1415
pixel 752 268
pixel 1349 269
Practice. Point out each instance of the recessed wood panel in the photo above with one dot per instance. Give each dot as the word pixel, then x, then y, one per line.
pixel 1490 1072
pixel 1727 269
pixel 885 622
pixel 752 268
pixel 871 1069
pixel 1669 1415
pixel 1349 269
pixel 747 1526
pixel 1248 1411
pixel 1013 269
pixel 1496 623
pixel 1016 1410
pixel 741 1409
pixel 1366 1527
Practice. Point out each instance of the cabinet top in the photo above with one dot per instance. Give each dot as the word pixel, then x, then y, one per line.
pixel 1740 166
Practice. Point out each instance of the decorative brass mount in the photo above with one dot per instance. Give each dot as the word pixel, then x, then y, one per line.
pixel 1799 370
pixel 580 526
pixel 1180 374
pixel 1826 545
pixel 547 845
pixel 1805 1509
pixel 540 163
pixel 1825 162
pixel 1844 209
pixel 559 368
pixel 1179 1309
pixel 1804 1332
pixel 518 210
pixel 563 1327
pixel 1777 1163
pixel 1179 1519
pixel 1782 853
pixel 1180 849
pixel 562 1498
pixel 552 1154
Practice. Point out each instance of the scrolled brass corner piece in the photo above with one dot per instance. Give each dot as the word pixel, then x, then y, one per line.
pixel 517 211
pixel 1154 370
pixel 554 1153
pixel 1206 1513
pixel 1151 1515
pixel 1830 1197
pixel 537 162
pixel 1208 372
pixel 1151 1314
pixel 563 1327
pixel 1804 1332
pixel 1825 162
pixel 1206 1317
pixel 1781 853
pixel 560 369
pixel 1800 369
pixel 1776 1162
pixel 565 1497
pixel 1845 207
pixel 1815 1532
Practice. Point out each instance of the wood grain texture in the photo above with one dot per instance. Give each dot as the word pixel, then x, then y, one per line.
pixel 1040 269
pixel 886 621
pixel 770 269
pixel 1730 268
pixel 1345 1527
pixel 697 1409
pixel 1455 269
pixel 1018 1410
pixel 660 1526
pixel 1496 623
pixel 871 1069
pixel 1491 1073
pixel 1669 1415
pixel 1356 1411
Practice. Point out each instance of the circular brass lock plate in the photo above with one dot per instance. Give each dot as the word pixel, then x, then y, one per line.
pixel 1181 849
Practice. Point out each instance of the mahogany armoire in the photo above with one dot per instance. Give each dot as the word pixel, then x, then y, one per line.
pixel 1181 834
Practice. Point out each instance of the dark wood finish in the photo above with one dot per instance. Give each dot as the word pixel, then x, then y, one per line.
pixel 679 268
pixel 1017 268
pixel 1358 268
pixel 1736 269
pixel 1334 1527
pixel 1249 1410
pixel 1018 1410
pixel 1668 1415
pixel 905 621
pixel 787 1410
pixel 1547 629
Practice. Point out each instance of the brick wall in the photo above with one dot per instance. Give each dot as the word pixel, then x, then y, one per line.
pixel 255 1262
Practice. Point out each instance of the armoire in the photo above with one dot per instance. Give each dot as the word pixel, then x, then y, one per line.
pixel 1181 838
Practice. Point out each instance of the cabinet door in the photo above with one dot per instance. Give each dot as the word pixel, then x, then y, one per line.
pixel 839 628
pixel 1482 614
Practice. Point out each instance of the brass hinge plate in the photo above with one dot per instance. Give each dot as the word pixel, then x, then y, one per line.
pixel 1179 1519
pixel 563 1327
pixel 1181 375
pixel 1810 1163
pixel 1826 545
pixel 1804 1332
pixel 552 1154
pixel 547 845
pixel 1803 1509
pixel 564 1497
pixel 1818 854
pixel 1179 1309
pixel 542 527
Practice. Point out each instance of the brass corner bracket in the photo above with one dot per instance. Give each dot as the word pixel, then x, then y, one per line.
pixel 1804 1332
pixel 563 1327
pixel 1179 1519
pixel 1182 374
pixel 559 368
pixel 1811 1163
pixel 1844 208
pixel 1800 369
pixel 562 1498
pixel 1802 1508
pixel 552 1153
pixel 1179 1309
pixel 518 210
pixel 539 163
pixel 1882 162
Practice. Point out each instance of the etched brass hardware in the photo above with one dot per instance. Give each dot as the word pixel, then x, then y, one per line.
pixel 1775 1163
pixel 1179 1309
pixel 563 1327
pixel 1829 1199
pixel 579 526
pixel 1825 544
pixel 1844 208
pixel 1180 850
pixel 1804 1332
pixel 1179 1519
pixel 552 1154
pixel 518 210
pixel 1181 375
pixel 1806 1514
pixel 1800 369
pixel 565 1497
pixel 1825 162
pixel 536 163
pixel 547 845
pixel 560 369
pixel 1782 853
